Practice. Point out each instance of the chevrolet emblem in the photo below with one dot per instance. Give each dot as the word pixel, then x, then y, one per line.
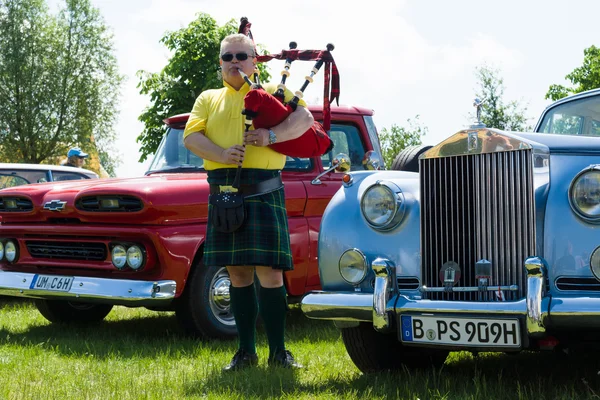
pixel 55 205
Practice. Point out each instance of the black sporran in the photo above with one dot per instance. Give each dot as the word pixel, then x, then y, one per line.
pixel 227 211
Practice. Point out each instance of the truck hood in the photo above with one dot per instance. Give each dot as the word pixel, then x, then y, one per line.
pixel 178 196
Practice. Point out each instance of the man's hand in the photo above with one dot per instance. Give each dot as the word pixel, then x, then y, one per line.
pixel 233 155
pixel 258 137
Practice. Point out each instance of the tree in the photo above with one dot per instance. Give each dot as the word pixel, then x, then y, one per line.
pixel 192 68
pixel 585 77
pixel 59 82
pixel 399 137
pixel 495 113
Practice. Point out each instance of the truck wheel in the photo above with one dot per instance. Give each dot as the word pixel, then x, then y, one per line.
pixel 408 158
pixel 372 351
pixel 61 311
pixel 204 309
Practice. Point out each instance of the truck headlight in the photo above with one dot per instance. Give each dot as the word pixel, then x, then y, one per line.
pixel 584 194
pixel 119 256
pixel 135 257
pixel 11 251
pixel 382 205
pixel 1 250
pixel 353 266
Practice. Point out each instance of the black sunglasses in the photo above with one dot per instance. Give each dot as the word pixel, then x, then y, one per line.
pixel 227 57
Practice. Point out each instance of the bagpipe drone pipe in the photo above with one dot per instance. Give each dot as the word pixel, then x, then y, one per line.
pixel 266 111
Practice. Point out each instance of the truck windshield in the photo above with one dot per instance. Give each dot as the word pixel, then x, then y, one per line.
pixel 172 156
pixel 578 117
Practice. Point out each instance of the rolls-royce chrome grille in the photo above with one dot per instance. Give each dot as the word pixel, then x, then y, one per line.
pixel 476 207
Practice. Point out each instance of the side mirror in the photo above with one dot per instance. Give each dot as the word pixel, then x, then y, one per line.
pixel 372 161
pixel 341 163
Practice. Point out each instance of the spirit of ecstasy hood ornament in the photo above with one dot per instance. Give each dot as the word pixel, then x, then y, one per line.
pixel 478 104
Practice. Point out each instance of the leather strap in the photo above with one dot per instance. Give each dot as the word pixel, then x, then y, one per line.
pixel 267 186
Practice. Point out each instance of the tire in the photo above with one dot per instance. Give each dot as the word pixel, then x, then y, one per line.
pixel 64 312
pixel 372 351
pixel 204 310
pixel 408 158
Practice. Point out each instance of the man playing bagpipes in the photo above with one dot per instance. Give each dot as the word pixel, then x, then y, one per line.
pixel 253 237
pixel 247 229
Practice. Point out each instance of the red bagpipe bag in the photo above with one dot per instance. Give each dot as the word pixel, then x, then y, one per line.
pixel 267 111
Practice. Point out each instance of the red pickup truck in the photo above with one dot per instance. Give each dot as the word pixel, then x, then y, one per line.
pixel 81 247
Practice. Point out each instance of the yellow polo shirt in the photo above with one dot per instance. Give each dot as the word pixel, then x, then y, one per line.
pixel 218 112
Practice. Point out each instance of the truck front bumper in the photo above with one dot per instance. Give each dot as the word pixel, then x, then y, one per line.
pixel 539 311
pixel 93 290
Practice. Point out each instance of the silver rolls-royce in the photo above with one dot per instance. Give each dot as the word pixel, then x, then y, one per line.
pixel 494 245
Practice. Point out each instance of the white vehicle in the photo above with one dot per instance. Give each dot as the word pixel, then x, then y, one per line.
pixel 15 174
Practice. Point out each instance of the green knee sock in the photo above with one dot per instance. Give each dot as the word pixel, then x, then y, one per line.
pixel 273 309
pixel 244 307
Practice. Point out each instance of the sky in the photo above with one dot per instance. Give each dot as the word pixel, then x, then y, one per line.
pixel 401 58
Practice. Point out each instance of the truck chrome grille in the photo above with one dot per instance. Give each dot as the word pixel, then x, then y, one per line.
pixel 67 250
pixel 477 207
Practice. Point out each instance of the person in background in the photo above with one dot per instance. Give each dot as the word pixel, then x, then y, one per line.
pixel 215 132
pixel 76 158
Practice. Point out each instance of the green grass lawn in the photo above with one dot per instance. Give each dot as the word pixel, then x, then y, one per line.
pixel 140 354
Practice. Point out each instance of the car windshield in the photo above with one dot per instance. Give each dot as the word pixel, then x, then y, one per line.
pixel 172 156
pixel 579 117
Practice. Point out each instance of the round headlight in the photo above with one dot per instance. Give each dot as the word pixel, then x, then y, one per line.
pixel 1 250
pixel 119 256
pixel 10 251
pixel 584 194
pixel 135 257
pixel 595 263
pixel 382 205
pixel 353 266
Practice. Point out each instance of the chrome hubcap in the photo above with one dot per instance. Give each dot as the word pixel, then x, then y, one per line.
pixel 220 303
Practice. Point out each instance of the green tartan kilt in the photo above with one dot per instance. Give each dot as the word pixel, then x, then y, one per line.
pixel 263 239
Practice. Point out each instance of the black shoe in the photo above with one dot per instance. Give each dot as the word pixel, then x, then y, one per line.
pixel 241 359
pixel 284 359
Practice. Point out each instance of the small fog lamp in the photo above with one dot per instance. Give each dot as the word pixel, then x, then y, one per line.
pixel 1 250
pixel 353 266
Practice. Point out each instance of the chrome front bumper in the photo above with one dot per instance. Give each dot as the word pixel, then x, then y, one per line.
pixel 538 311
pixel 98 290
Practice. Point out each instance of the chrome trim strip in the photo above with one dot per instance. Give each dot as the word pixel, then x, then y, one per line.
pixel 536 276
pixel 405 305
pixel 338 306
pixel 511 288
pixel 384 289
pixel 114 291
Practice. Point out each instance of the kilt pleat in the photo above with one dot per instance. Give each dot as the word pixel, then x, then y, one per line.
pixel 263 239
